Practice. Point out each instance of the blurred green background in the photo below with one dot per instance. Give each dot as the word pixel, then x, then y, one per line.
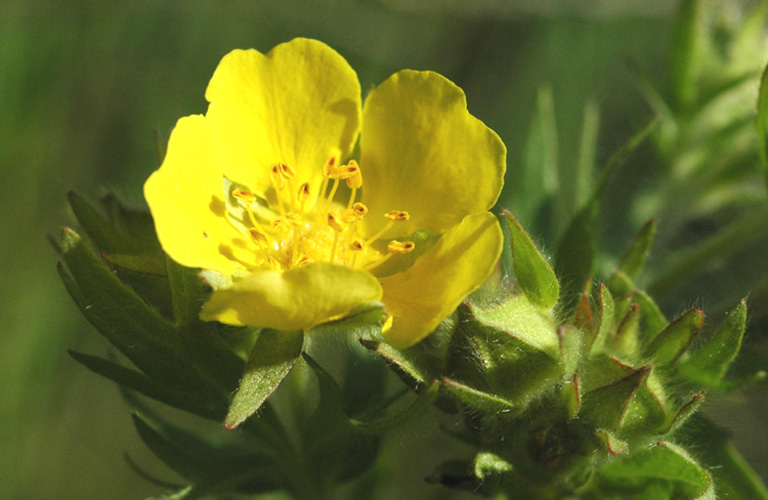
pixel 86 86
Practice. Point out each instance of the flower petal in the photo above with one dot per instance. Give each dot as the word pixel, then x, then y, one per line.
pixel 423 152
pixel 186 201
pixel 425 294
pixel 299 104
pixel 296 299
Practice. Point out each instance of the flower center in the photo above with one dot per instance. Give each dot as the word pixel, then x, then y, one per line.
pixel 297 228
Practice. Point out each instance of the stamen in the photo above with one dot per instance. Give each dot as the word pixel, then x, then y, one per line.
pixel 356 246
pixel 258 237
pixel 248 198
pixel 303 195
pixel 304 260
pixel 393 248
pixel 329 165
pixel 337 227
pixel 288 173
pixel 278 182
pixel 393 216
pixel 354 183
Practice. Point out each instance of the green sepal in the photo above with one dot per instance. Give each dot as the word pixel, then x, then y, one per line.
pixel 685 412
pixel 571 344
pixel 625 338
pixel 511 350
pixel 533 273
pixel 634 260
pixel 273 356
pixel 380 425
pixel 663 471
pixel 149 387
pixel 708 365
pixel 488 464
pixel 674 340
pixel 604 329
pixel 612 444
pixel 480 400
pixel 418 365
pixel 570 394
pixel 333 445
pixel 654 319
pixel 608 405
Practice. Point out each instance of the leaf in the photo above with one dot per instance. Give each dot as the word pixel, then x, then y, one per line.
pixel 152 264
pixel 149 387
pixel 688 51
pixel 137 330
pixel 272 358
pixel 606 318
pixel 733 476
pixel 709 364
pixel 332 444
pixel 665 466
pixel 575 254
pixel 761 122
pixel 674 340
pixel 533 273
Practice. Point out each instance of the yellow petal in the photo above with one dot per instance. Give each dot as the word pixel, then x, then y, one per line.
pixel 298 105
pixel 294 300
pixel 186 200
pixel 425 294
pixel 423 152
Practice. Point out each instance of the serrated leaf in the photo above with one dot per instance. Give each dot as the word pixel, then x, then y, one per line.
pixel 273 356
pixel 674 340
pixel 709 364
pixel 532 272
pixel 479 400
pixel 131 325
pixel 664 467
pixel 148 387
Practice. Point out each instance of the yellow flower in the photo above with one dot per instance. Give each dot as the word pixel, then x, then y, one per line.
pixel 259 192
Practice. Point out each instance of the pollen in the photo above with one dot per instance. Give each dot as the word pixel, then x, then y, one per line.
pixel 290 227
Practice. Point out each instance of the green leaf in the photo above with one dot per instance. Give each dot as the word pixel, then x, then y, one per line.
pixel 533 273
pixel 634 260
pixel 709 364
pixel 761 122
pixel 272 358
pixel 332 444
pixel 688 51
pixel 153 264
pixel 664 467
pixel 673 341
pixel 732 474
pixel 575 254
pixel 135 328
pixel 538 180
pixel 147 386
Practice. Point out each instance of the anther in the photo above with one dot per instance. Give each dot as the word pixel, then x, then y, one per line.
pixel 360 209
pixel 258 237
pixel 345 171
pixel 282 224
pixel 356 246
pixel 335 223
pixel 400 247
pixel 355 181
pixel 245 196
pixel 397 215
pixel 303 195
pixel 304 260
pixel 286 170
pixel 276 176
